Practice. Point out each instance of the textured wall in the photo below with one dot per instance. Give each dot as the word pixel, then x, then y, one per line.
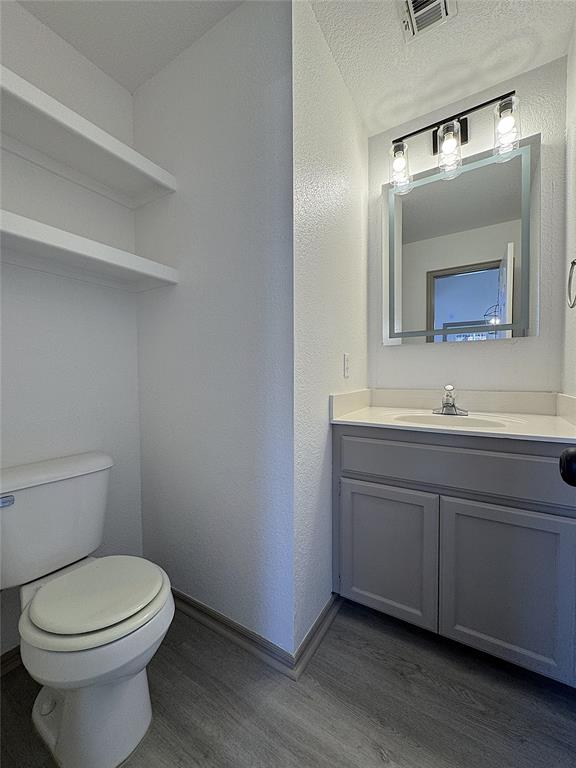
pixel 569 373
pixel 216 351
pixel 69 361
pixel 330 184
pixel 511 364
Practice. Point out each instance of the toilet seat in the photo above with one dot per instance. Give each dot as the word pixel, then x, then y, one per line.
pixel 95 604
pixel 96 596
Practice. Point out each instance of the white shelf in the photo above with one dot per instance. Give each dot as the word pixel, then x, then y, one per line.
pixel 35 245
pixel 37 121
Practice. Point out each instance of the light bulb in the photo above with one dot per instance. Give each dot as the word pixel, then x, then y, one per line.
pixel 507 130
pixel 399 163
pixel 400 168
pixel 450 154
pixel 449 144
pixel 506 123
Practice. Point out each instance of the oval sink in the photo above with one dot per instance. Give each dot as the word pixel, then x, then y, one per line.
pixel 436 420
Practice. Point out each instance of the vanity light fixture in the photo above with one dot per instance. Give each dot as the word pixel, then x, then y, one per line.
pixel 450 149
pixel 400 168
pixel 507 132
pixel 450 134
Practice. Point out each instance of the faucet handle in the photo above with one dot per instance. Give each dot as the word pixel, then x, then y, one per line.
pixel 448 396
pixel 449 403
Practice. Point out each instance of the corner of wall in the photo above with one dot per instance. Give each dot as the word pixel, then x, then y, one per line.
pixel 330 252
pixel 569 353
pixel 39 55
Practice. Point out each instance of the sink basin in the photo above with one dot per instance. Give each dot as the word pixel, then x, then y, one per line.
pixel 436 420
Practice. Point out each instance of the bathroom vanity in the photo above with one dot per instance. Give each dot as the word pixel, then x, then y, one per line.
pixel 463 531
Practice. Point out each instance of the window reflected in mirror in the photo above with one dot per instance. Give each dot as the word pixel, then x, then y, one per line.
pixel 472 295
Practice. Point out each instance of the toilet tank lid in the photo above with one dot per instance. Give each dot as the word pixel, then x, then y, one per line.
pixel 41 472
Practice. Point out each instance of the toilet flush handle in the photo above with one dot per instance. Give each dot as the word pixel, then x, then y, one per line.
pixel 6 501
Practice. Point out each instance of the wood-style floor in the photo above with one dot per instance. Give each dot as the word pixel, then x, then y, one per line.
pixel 378 693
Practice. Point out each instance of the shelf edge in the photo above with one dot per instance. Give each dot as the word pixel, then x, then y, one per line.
pixel 42 102
pixel 28 230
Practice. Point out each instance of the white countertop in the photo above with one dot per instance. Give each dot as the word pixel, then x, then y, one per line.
pixel 516 426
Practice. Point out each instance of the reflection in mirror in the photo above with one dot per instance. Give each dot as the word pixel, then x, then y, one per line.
pixel 470 295
pixel 460 249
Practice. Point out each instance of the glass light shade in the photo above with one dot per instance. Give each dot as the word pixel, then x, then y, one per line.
pixel 400 168
pixel 450 149
pixel 507 128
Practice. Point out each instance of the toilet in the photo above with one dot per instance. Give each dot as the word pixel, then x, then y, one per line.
pixel 88 625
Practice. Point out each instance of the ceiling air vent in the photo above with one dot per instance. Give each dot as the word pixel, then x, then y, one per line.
pixel 420 15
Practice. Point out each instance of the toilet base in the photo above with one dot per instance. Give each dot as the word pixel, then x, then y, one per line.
pixel 95 726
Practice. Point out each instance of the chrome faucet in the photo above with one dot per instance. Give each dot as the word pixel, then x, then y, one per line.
pixel 449 407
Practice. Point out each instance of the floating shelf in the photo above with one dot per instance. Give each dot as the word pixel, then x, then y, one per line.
pixel 39 246
pixel 36 120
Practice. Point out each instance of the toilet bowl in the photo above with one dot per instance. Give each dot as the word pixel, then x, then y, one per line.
pixel 89 626
pixel 87 635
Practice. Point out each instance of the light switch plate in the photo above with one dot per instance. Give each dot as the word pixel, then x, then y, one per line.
pixel 346 366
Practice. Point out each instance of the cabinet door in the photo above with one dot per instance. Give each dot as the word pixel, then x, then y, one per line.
pixel 389 550
pixel 508 584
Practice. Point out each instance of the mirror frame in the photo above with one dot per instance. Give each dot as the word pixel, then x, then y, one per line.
pixel 521 326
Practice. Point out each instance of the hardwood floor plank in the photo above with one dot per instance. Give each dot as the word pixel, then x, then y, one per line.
pixel 377 694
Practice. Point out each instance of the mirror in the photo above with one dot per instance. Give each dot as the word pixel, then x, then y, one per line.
pixel 459 253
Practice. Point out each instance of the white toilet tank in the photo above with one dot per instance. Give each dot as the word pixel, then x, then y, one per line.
pixel 51 514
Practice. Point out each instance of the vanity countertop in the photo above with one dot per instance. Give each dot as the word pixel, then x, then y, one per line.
pixel 516 426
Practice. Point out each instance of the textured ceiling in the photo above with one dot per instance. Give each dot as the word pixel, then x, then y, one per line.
pixel 489 41
pixel 130 40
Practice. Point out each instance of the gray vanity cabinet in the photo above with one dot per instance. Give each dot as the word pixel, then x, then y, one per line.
pixel 471 537
pixel 390 550
pixel 508 583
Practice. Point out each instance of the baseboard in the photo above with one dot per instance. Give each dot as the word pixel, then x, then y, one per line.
pixel 10 660
pixel 289 664
pixel 315 635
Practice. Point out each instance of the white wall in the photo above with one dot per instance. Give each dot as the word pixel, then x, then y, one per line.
pixel 473 246
pixel 69 384
pixel 69 348
pixel 330 212
pixel 220 430
pixel 216 364
pixel 30 190
pixel 511 364
pixel 37 54
pixel 569 370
